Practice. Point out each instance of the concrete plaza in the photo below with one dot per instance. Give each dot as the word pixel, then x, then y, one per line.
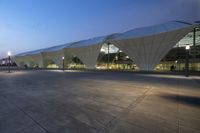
pixel 103 102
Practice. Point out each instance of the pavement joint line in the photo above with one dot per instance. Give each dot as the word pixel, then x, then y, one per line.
pixel 29 116
pixel 37 123
pixel 70 115
pixel 137 125
pixel 112 123
pixel 178 107
pixel 96 111
pixel 25 128
pixel 109 104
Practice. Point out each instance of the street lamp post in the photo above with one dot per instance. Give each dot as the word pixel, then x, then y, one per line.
pixel 9 54
pixel 108 65
pixel 187 47
pixel 63 59
pixel 194 49
pixel 176 65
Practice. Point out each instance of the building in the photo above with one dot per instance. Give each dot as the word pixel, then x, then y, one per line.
pixel 144 47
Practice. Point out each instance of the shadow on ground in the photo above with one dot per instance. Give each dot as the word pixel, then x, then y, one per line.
pixel 183 99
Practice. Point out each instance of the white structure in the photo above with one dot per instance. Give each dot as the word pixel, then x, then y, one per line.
pixel 54 54
pixel 145 46
pixel 87 50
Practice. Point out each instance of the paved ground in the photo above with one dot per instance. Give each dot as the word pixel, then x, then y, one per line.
pixel 104 102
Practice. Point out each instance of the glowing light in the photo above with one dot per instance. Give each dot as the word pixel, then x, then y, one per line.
pixel 9 53
pixel 187 47
pixel 63 57
pixel 127 57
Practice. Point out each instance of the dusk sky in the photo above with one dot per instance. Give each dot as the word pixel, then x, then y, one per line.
pixel 33 24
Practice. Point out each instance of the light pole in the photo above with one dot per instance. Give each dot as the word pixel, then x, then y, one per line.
pixel 194 45
pixel 176 65
pixel 9 54
pixel 63 61
pixel 108 65
pixel 187 47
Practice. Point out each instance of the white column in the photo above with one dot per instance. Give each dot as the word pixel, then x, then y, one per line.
pixel 146 52
pixel 87 54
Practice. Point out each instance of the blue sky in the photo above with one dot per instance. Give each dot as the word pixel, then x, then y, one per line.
pixel 33 24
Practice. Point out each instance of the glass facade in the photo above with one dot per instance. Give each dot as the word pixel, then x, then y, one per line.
pixel 188 39
pixel 176 57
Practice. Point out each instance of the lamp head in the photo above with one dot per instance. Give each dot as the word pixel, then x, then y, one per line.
pixel 187 47
pixel 63 57
pixel 9 53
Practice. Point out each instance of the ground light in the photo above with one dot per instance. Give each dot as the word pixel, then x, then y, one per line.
pixel 9 54
pixel 187 47
pixel 63 59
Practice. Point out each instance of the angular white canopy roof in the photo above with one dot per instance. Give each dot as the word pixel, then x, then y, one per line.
pixel 147 46
pixel 138 41
pixel 88 42
pixel 50 49
pixel 151 30
pixel 135 33
pixel 87 50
